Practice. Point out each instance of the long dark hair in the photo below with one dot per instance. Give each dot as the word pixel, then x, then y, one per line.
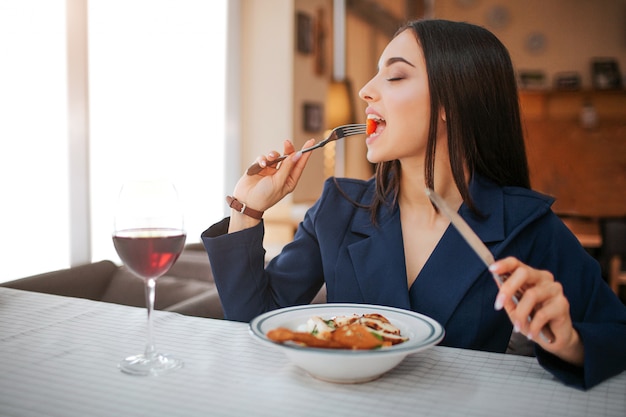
pixel 470 76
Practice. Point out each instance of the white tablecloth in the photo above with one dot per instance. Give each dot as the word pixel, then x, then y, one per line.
pixel 58 357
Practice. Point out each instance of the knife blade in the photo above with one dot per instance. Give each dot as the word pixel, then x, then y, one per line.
pixel 480 249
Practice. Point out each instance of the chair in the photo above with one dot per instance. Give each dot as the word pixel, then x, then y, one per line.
pixel 187 288
pixel 614 251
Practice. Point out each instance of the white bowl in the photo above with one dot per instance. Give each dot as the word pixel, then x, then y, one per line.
pixel 343 365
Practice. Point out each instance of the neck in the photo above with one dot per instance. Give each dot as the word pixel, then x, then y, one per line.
pixel 413 182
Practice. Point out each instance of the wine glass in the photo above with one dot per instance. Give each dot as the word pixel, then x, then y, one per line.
pixel 149 236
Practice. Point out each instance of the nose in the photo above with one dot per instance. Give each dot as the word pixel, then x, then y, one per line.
pixel 367 92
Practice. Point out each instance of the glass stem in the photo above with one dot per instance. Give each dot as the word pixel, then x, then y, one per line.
pixel 150 294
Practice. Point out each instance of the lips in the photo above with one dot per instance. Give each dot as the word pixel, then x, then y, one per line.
pixel 374 124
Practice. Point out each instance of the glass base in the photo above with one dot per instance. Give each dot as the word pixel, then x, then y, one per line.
pixel 144 366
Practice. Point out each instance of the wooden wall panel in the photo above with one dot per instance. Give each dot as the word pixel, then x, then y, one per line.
pixel 585 169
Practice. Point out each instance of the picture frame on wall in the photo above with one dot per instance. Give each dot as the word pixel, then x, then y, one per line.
pixel 532 80
pixel 567 81
pixel 605 74
pixel 304 33
pixel 313 117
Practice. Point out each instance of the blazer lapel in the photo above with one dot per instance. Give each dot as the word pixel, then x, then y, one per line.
pixel 453 267
pixel 377 256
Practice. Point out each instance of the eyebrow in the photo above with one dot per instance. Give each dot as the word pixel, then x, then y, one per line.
pixel 393 60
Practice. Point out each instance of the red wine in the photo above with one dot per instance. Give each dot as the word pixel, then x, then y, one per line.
pixel 149 253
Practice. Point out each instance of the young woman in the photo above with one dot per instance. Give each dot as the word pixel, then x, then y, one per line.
pixel 447 113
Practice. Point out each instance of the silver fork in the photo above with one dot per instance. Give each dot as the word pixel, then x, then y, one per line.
pixel 337 133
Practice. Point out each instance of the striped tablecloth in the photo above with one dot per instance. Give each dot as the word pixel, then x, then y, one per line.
pixel 59 355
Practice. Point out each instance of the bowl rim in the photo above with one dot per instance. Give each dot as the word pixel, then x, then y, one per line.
pixel 434 336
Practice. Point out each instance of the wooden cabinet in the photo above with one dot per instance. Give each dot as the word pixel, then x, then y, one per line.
pixel 584 169
pixel 566 105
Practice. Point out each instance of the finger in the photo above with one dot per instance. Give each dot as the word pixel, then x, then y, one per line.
pixel 517 277
pixel 288 147
pixel 272 155
pixel 513 279
pixel 308 144
pixel 521 315
pixel 294 166
pixel 505 266
pixel 300 159
pixel 261 164
pixel 551 309
pixel 535 310
pixel 263 160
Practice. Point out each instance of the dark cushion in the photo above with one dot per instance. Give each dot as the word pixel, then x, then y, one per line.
pixel 206 304
pixel 192 264
pixel 85 281
pixel 126 288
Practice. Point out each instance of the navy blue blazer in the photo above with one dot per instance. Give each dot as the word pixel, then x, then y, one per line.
pixel 337 244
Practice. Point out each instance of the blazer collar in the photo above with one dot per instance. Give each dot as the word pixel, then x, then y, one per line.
pixel 489 200
pixel 379 264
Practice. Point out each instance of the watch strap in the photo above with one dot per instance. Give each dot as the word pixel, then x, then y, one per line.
pixel 243 208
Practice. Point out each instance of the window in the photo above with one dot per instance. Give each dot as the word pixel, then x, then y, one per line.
pixel 156 78
pixel 33 128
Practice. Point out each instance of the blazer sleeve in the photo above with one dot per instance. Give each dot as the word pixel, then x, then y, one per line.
pixel 246 286
pixel 597 313
pixel 236 260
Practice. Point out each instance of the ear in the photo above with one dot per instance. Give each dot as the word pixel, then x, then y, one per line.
pixel 442 114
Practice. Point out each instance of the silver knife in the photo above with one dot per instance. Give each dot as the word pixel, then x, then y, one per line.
pixel 479 247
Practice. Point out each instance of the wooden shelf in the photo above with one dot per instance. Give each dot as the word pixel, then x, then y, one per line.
pixel 556 104
pixel 584 169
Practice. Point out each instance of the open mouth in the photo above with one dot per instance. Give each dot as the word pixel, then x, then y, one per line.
pixel 374 124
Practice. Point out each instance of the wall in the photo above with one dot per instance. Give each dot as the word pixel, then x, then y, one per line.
pixel 583 167
pixel 266 76
pixel 310 85
pixel 575 30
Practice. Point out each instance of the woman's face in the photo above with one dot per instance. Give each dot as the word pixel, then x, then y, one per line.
pixel 398 99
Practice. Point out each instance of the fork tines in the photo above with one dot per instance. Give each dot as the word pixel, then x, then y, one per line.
pixel 352 129
pixel 337 133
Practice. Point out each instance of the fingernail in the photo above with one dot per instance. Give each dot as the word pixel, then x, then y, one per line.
pixel 263 164
pixel 499 302
pixel 516 327
pixel 493 267
pixel 296 156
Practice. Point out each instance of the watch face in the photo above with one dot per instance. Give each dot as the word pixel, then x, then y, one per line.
pixel 536 42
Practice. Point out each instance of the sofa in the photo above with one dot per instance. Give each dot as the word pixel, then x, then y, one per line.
pixel 187 288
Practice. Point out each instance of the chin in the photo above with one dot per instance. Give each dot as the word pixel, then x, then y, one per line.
pixel 372 158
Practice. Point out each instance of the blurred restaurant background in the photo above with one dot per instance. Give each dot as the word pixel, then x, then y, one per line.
pixel 94 92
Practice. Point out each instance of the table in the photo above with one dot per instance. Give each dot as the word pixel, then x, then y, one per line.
pixel 58 357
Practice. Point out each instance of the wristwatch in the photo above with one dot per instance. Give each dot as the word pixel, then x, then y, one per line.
pixel 243 208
